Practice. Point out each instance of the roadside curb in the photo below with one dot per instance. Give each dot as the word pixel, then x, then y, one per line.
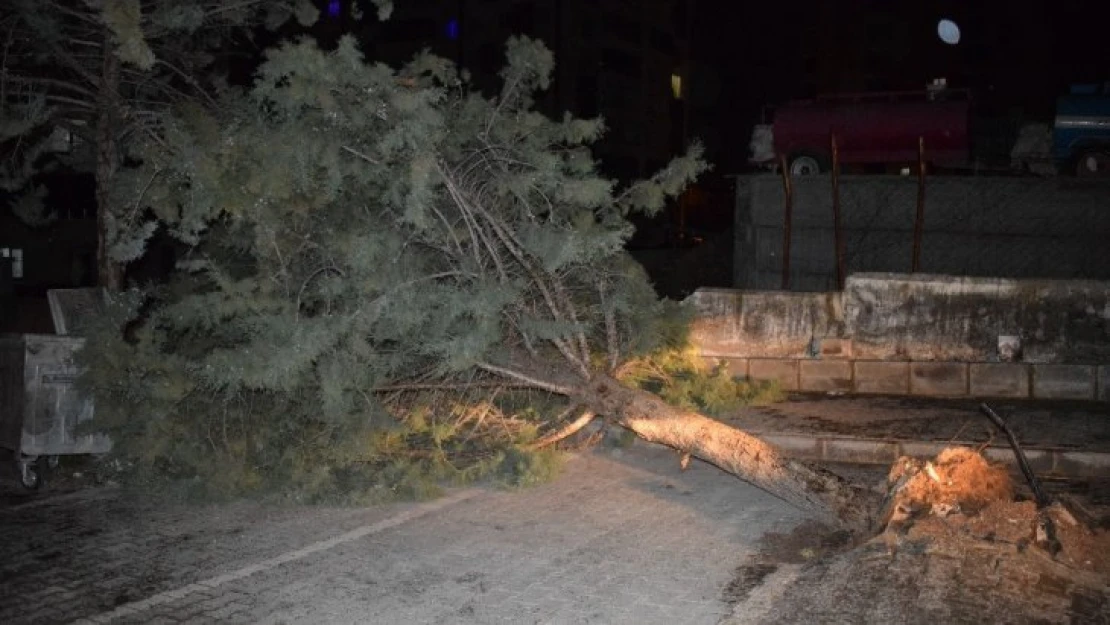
pixel 1044 461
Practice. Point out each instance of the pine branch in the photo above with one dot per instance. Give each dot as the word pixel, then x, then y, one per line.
pixel 611 338
pixel 515 249
pixel 526 379
pixel 477 234
pixel 361 155
pixel 80 16
pixel 451 232
pixel 565 305
pixel 571 309
pixel 450 386
pixel 74 102
pixel 75 66
pixel 218 8
pixel 189 79
pixel 51 82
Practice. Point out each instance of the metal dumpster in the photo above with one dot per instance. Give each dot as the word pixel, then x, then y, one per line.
pixel 40 405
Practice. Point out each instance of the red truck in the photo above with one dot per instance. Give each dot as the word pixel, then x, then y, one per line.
pixel 870 128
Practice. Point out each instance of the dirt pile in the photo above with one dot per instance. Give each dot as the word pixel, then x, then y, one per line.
pixel 958 480
pixel 959 548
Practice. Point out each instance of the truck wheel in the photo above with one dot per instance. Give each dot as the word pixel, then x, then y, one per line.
pixel 1092 163
pixel 807 165
pixel 33 472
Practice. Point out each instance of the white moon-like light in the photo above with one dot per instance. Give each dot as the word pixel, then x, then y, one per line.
pixel 948 32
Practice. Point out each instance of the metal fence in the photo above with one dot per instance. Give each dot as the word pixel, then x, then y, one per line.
pixel 1011 227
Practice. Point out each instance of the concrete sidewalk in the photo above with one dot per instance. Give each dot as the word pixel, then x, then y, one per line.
pixel 1060 439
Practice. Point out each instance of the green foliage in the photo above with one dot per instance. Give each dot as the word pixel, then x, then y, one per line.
pixel 684 379
pixel 185 443
pixel 56 77
pixel 123 18
pixel 358 232
pixel 522 469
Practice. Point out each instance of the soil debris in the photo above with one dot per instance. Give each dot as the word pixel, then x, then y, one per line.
pixel 961 547
pixel 958 480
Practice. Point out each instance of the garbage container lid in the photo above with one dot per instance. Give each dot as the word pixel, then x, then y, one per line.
pixel 69 306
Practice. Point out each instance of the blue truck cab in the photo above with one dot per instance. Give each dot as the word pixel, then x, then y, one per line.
pixel 1081 132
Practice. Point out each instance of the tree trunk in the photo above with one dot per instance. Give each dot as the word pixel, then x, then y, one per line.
pixel 812 489
pixel 109 273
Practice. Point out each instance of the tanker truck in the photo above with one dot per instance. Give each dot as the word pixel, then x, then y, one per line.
pixel 883 129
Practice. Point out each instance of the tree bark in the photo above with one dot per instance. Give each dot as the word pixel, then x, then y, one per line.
pixel 109 273
pixel 811 489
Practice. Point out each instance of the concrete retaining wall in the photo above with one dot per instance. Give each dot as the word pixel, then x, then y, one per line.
pixel 916 335
pixel 923 317
pixel 974 226
pixel 765 323
pixel 911 317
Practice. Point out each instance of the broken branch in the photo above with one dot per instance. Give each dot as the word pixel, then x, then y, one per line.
pixel 568 430
pixel 1038 492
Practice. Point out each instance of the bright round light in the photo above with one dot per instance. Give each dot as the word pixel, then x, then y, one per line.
pixel 948 32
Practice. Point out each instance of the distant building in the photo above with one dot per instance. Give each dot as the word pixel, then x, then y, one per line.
pixel 57 254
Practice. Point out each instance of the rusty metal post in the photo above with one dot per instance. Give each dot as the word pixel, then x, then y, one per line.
pixel 838 238
pixel 919 222
pixel 787 223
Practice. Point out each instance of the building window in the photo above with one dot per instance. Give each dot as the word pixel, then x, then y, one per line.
pixel 16 255
pixel 676 86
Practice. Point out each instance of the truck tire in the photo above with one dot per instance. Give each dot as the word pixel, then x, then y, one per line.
pixel 1093 162
pixel 33 472
pixel 807 164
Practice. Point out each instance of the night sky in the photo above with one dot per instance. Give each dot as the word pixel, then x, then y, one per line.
pixel 1016 56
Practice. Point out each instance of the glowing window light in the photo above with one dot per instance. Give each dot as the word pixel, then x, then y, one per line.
pixel 17 260
pixel 334 6
pixel 676 86
pixel 452 29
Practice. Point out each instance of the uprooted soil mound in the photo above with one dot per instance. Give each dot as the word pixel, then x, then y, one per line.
pixel 960 479
pixel 959 549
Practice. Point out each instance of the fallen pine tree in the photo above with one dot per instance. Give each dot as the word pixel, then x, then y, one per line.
pixel 355 232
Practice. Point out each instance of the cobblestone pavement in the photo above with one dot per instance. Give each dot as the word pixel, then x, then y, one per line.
pixel 622 537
